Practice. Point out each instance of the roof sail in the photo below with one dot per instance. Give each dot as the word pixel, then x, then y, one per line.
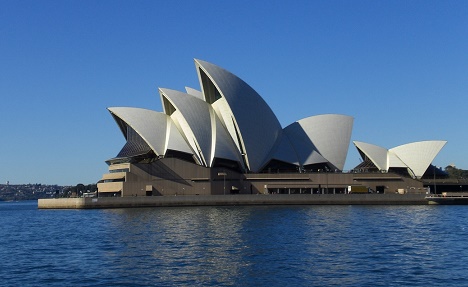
pixel 238 106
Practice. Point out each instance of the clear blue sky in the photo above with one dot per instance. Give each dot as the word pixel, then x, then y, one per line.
pixel 400 68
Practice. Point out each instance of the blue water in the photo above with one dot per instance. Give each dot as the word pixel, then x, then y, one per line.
pixel 234 246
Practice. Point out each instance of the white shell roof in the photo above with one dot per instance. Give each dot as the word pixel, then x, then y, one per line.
pixel 418 155
pixel 194 92
pixel 325 135
pixel 202 129
pixel 153 127
pixel 255 135
pixel 378 155
pixel 192 117
pixel 302 144
pixel 224 146
pixel 230 120
pixel 284 151
pixel 394 161
pixel 175 139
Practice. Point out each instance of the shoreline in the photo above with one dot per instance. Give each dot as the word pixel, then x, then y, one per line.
pixel 233 200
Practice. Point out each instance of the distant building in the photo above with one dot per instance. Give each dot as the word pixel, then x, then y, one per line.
pixel 224 139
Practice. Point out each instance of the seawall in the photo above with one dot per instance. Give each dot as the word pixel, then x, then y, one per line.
pixel 232 200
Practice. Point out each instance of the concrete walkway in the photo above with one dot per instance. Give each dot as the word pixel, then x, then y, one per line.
pixel 232 200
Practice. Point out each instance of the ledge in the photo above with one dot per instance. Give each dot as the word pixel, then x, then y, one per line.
pixel 233 200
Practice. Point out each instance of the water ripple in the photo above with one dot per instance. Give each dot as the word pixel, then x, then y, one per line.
pixel 234 246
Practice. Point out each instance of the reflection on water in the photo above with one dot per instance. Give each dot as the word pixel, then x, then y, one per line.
pixel 235 246
pixel 186 246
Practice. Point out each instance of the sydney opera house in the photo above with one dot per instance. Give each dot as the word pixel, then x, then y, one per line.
pixel 223 138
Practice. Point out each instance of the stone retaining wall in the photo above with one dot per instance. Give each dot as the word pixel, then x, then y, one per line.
pixel 230 200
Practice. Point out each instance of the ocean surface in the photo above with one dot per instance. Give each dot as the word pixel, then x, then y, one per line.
pixel 234 246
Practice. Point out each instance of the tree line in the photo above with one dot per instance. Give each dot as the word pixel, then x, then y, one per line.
pixel 457 173
pixel 78 190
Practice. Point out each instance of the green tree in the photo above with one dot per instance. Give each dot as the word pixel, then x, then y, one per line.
pixel 454 172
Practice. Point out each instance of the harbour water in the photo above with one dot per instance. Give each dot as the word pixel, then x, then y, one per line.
pixel 234 246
